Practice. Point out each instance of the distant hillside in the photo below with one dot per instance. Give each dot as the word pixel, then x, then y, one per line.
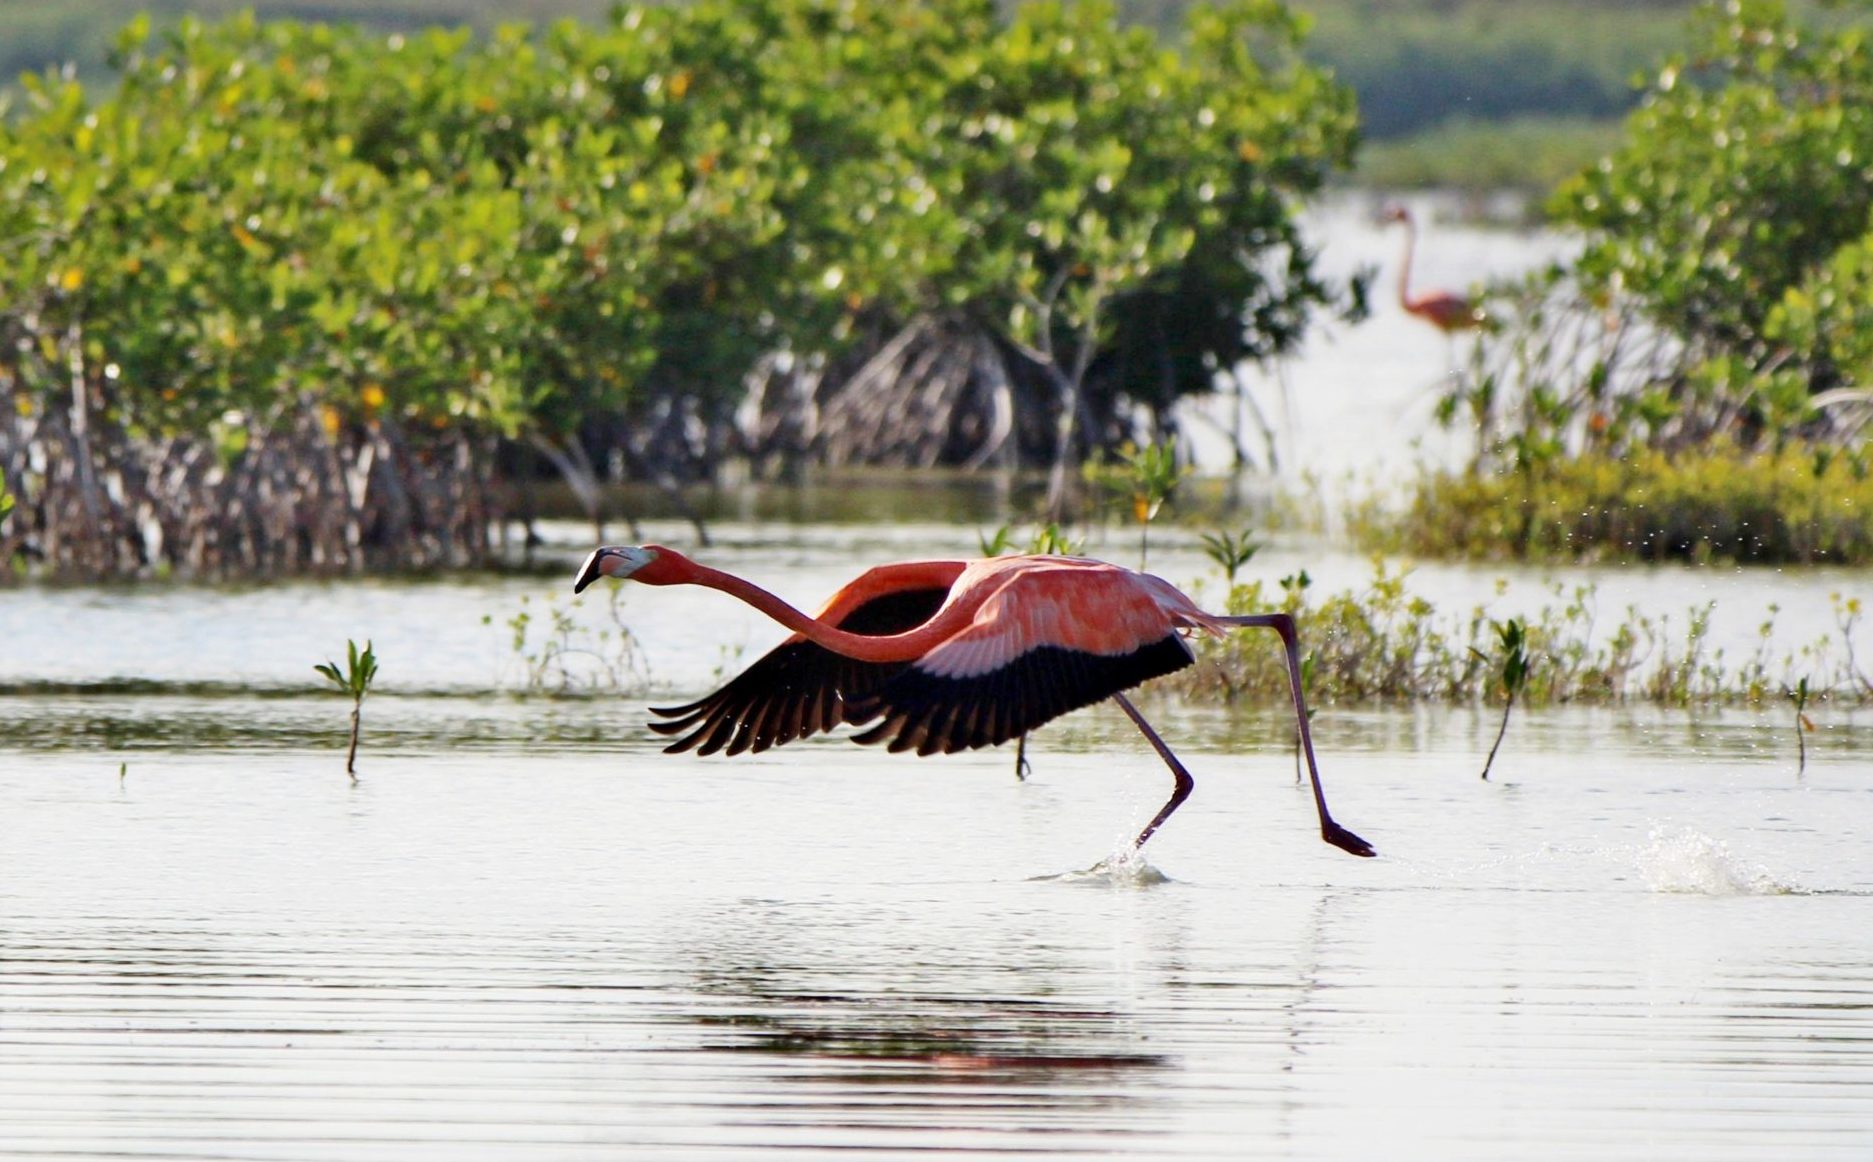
pixel 1414 63
pixel 1456 83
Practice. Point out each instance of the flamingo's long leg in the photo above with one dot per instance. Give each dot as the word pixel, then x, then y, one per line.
pixel 1179 791
pixel 1283 624
pixel 1022 766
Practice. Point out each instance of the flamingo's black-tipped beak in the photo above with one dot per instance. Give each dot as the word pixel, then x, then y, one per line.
pixel 591 571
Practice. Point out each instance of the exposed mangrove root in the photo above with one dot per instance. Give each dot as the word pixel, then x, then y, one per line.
pixel 938 392
pixel 256 498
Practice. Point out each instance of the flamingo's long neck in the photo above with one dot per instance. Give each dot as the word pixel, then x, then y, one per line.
pixel 1404 266
pixel 901 647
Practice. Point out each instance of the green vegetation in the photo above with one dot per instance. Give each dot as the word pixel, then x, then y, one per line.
pixel 1386 643
pixel 565 658
pixel 1736 209
pixel 1047 540
pixel 1796 504
pixel 293 296
pixel 1696 383
pixel 1803 724
pixel 1140 480
pixel 1231 551
pixel 354 680
pixel 1443 84
pixel 1512 659
pixel 1527 152
pixel 1419 66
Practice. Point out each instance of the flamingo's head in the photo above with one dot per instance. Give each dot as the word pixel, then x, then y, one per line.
pixel 1395 212
pixel 620 561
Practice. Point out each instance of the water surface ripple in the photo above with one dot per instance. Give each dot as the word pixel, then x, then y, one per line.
pixel 1650 947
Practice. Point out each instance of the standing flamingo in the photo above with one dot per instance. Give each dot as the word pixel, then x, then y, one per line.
pixel 1448 311
pixel 951 655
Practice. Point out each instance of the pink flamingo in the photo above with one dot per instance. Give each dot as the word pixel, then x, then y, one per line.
pixel 1448 311
pixel 944 656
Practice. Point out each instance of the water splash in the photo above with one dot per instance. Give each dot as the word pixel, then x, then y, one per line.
pixel 1688 861
pixel 1122 869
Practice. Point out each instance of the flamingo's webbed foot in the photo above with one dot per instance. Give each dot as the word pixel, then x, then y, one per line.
pixel 1345 840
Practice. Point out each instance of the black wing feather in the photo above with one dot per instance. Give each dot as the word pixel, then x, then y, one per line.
pixel 798 688
pixel 929 713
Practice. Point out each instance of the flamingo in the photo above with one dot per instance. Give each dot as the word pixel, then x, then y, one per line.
pixel 943 656
pixel 1448 311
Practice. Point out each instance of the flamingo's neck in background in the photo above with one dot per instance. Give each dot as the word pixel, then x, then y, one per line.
pixel 902 647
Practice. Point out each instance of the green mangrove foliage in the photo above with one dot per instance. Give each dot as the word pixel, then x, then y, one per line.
pixel 298 297
pixel 1717 316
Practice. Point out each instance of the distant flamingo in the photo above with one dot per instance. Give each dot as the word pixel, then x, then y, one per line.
pixel 1448 311
pixel 953 655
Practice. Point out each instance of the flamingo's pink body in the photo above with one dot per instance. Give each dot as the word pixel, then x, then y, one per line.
pixel 1448 311
pixel 943 656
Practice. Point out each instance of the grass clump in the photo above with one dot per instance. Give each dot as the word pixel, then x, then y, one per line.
pixel 1789 505
pixel 1386 643
pixel 563 657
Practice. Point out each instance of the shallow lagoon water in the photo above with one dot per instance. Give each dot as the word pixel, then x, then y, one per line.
pixel 525 933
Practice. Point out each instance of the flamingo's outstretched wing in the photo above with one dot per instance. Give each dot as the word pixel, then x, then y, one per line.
pixel 798 688
pixel 1046 644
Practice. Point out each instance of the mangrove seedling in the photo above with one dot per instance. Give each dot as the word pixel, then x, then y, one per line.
pixel 355 680
pixel 1230 551
pixel 1803 724
pixel 1145 477
pixel 1048 540
pixel 1512 641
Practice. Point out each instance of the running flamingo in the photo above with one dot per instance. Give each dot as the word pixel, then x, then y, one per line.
pixel 951 655
pixel 1448 311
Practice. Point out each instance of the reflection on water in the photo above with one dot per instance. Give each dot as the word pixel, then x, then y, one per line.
pixel 540 947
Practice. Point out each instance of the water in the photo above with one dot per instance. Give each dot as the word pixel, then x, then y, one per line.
pixel 572 948
pixel 527 934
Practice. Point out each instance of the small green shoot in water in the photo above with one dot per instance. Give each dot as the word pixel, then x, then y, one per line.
pixel 1231 551
pixel 998 544
pixel 1146 477
pixel 1803 724
pixel 355 680
pixel 1048 541
pixel 1512 636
